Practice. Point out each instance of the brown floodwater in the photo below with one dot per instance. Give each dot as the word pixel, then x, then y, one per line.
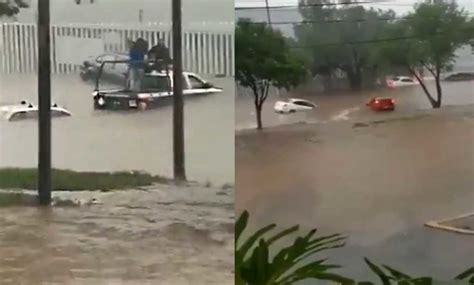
pixel 344 105
pixel 378 182
pixel 114 141
pixel 161 235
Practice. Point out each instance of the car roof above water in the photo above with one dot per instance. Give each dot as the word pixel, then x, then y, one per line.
pixel 382 98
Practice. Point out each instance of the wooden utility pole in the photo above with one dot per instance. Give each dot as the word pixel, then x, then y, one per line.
pixel 178 106
pixel 44 103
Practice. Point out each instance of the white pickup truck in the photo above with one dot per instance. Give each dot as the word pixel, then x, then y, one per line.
pixel 155 86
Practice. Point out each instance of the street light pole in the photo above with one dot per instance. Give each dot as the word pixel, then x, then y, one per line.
pixel 44 104
pixel 178 106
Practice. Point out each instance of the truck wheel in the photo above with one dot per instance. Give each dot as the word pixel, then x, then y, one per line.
pixel 85 76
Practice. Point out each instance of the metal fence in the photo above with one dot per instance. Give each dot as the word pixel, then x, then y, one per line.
pixel 204 52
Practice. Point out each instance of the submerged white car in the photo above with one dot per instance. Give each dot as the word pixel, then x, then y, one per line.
pixel 401 81
pixel 28 110
pixel 294 105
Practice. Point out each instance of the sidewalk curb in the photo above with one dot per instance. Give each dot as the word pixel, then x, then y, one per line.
pixel 439 224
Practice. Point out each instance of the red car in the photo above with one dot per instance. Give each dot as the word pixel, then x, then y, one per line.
pixel 382 104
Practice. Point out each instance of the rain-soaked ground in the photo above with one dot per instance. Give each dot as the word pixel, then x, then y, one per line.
pixel 112 141
pixel 156 235
pixel 377 178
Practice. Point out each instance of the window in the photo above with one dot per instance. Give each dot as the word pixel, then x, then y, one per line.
pixel 155 83
pixel 195 82
pixel 105 57
pixel 407 80
pixel 303 103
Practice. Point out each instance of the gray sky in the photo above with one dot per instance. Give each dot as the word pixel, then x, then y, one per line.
pixel 400 6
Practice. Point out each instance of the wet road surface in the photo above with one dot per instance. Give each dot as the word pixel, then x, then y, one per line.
pixel 342 106
pixel 158 235
pixel 113 141
pixel 378 182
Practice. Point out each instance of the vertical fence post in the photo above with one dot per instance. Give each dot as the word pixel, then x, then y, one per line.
pixel 203 51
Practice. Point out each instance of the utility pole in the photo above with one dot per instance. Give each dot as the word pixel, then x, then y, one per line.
pixel 269 19
pixel 44 104
pixel 178 106
pixel 268 13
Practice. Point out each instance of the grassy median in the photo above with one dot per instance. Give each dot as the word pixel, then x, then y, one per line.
pixel 68 180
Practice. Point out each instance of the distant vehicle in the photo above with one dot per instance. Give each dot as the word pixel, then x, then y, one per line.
pixel 28 110
pixel 293 105
pixel 113 72
pixel 381 104
pixel 401 81
pixel 459 76
pixel 155 86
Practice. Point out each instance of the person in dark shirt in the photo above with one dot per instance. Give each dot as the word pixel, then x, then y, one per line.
pixel 160 54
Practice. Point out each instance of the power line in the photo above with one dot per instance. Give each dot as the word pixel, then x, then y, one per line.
pixel 291 6
pixel 309 22
pixel 374 41
pixel 298 6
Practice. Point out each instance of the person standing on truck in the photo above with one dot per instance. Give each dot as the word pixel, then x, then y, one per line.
pixel 137 64
pixel 160 54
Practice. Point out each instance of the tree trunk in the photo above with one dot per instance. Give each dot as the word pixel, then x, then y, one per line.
pixel 258 113
pixel 439 91
pixel 327 82
pixel 355 80
pixel 434 103
pixel 178 112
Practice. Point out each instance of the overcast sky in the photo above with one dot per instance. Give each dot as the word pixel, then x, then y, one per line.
pixel 400 6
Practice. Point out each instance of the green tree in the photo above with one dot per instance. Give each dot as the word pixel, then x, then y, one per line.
pixel 255 266
pixel 332 38
pixel 263 60
pixel 257 262
pixel 428 40
pixel 10 8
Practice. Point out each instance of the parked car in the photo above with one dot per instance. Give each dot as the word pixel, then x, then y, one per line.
pixel 401 81
pixel 381 104
pixel 112 72
pixel 293 105
pixel 459 76
pixel 26 110
pixel 156 86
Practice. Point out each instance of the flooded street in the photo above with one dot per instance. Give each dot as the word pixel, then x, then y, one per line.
pixel 112 141
pixel 345 105
pixel 376 178
pixel 158 235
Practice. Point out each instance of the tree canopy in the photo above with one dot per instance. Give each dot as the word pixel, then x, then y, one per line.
pixel 429 38
pixel 10 8
pixel 366 43
pixel 332 37
pixel 264 59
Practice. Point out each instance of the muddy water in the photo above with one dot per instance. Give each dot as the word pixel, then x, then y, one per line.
pixel 162 235
pixel 112 141
pixel 341 106
pixel 378 183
